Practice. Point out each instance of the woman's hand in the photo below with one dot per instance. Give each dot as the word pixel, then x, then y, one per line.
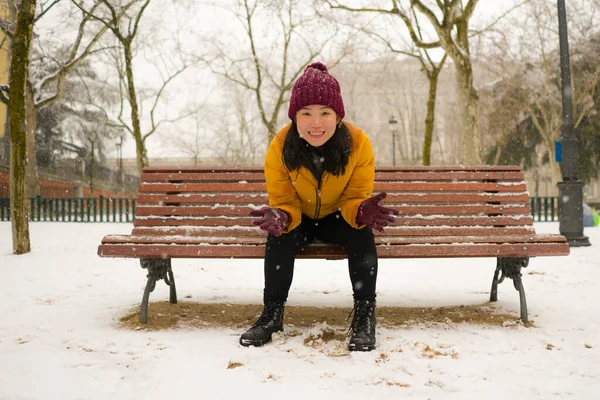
pixel 272 220
pixel 373 215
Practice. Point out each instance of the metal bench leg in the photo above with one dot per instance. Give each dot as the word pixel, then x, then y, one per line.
pixel 511 267
pixel 519 286
pixel 158 269
pixel 170 279
pixel 494 291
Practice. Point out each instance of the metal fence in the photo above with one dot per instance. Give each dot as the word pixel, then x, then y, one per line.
pixel 92 209
pixel 101 209
pixel 544 209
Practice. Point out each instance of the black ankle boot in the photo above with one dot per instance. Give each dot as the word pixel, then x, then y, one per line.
pixel 363 326
pixel 270 321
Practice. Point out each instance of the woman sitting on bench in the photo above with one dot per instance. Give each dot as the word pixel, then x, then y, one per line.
pixel 320 173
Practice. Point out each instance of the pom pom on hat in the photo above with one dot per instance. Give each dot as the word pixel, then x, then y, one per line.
pixel 316 86
pixel 318 65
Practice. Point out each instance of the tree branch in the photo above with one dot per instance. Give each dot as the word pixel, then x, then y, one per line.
pixel 172 120
pixel 44 11
pixel 257 90
pixel 91 15
pixel 74 60
pixel 7 28
pixel 160 91
pixel 487 28
pixel 138 18
pixel 468 11
pixel 389 44
pixel 394 11
pixel 423 9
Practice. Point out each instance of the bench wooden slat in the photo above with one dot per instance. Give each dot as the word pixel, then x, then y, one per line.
pixel 327 251
pixel 237 231
pixel 395 240
pixel 416 168
pixel 450 176
pixel 400 221
pixel 392 198
pixel 236 177
pixel 379 176
pixel 239 210
pixel 379 186
pixel 201 187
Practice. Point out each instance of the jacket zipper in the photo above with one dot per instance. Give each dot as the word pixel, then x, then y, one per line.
pixel 318 209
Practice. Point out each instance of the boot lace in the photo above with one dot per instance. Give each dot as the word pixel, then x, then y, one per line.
pixel 363 311
pixel 270 313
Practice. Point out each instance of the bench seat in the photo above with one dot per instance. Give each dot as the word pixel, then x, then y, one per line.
pixel 387 247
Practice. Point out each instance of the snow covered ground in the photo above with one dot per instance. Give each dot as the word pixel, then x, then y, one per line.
pixel 60 339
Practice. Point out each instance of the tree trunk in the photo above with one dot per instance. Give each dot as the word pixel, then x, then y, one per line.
pixel 33 175
pixel 458 50
pixel 467 104
pixel 19 66
pixel 430 118
pixel 140 147
pixel 272 131
pixel 498 154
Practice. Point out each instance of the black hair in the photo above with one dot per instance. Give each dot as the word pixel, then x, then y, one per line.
pixel 335 152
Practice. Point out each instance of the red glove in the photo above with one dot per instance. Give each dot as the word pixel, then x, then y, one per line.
pixel 272 220
pixel 373 215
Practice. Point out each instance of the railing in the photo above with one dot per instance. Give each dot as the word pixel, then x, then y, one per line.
pixel 92 209
pixel 544 209
pixel 101 209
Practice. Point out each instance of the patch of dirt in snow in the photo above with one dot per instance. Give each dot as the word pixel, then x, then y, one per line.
pixel 163 315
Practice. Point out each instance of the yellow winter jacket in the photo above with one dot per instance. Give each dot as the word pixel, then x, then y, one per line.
pixel 298 192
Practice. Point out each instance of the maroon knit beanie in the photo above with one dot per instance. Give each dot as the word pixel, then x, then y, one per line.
pixel 316 86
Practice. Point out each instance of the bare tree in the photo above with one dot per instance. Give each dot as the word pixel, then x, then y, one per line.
pixel 125 31
pixel 18 126
pixel 270 76
pixel 527 71
pixel 431 69
pixel 123 19
pixel 452 36
pixel 376 90
pixel 48 73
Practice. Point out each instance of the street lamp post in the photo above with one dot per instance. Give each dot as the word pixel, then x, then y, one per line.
pixel 570 190
pixel 393 127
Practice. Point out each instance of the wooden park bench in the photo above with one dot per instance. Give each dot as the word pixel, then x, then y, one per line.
pixel 444 212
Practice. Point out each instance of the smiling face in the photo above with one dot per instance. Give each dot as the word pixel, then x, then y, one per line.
pixel 316 124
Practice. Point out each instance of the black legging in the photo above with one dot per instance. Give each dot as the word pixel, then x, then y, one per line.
pixel 359 244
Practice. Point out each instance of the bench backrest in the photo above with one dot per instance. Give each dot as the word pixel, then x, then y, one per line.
pixel 432 201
